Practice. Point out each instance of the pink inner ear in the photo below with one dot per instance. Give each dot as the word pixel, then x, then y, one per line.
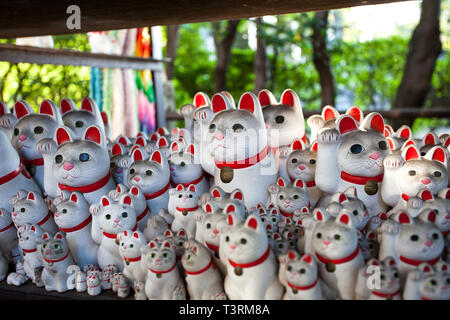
pixel 86 105
pixel 281 183
pixel 208 208
pixel 74 197
pixel 447 194
pixel 216 193
pixel 307 258
pixel 347 124
pixel 299 183
pixel 405 133
pixel 134 191
pixel 104 117
pixel 404 218
pixel 345 219
pixel 288 98
pixel 152 245
pixel 31 196
pixel 238 195
pixel 297 145
pixel 439 155
pixel 292 255
pixel 426 269
pixel 247 103
pixel 387 133
pixel 375 263
pixel 137 155
pixel 319 216
pixel 263 98
pixel 377 123
pixel 62 136
pixel 156 156
pixel 180 187
pixel 154 137
pixel 136 235
pixel 167 244
pixel 105 202
pixel 140 141
pixel 314 146
pixel 412 153
pixel 342 198
pixel 93 134
pixel 175 147
pixel 383 216
pixel 429 139
pixel 116 149
pixel 65 106
pixel 45 236
pixel 329 114
pixel 162 142
pixel 181 233
pixel 195 249
pixel 192 188
pixel 20 110
pixel 432 216
pixel 190 149
pixel 355 113
pixel 447 142
pixel 218 103
pixel 231 208
pixel 46 108
pixel 199 100
pixel 230 220
pixel 59 236
pixel 371 235
pixel 123 141
pixel 426 195
pixel 127 200
pixel 168 233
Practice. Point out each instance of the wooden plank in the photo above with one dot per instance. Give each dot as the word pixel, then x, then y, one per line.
pixel 16 54
pixel 22 18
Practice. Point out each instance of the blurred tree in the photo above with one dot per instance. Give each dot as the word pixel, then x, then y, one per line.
pixel 260 63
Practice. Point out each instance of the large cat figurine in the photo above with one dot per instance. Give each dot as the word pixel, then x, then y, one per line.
pixel 335 244
pixel 30 129
pixel 351 156
pixel 241 149
pixel 73 218
pixel 83 164
pixel 57 258
pixel 13 174
pixel 251 264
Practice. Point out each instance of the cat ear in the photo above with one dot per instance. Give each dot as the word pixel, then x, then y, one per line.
pixel 126 200
pixel 22 109
pixel 48 107
pixel 162 131
pixel 135 190
pixel 94 134
pixel 329 113
pixel 231 219
pixel 136 235
pixel 392 143
pixel 118 149
pixel 153 244
pixel 201 99
pixel 216 193
pixel 162 142
pixel 290 98
pixel 344 219
pixel 181 233
pixel 45 236
pixel 437 153
pixel 427 215
pixel 73 197
pixel 191 187
pixel 266 98
pixel 249 102
pixel 220 103
pixel 441 266
pixel 175 147
pixel 430 139
pixel 298 183
pixel 253 222
pixel 33 228
pixel 351 192
pixel 58 236
pixel 425 195
pixel 281 182
pixel 374 262
pixel 403 218
pixel 3 108
pixel 105 201
pixel 166 244
pixel 88 104
pixel 168 233
pixel 313 147
pixel 31 196
pixel 356 113
pixel 229 208
pixel 63 135
pixel 446 142
pixel 411 153
pixel 297 144
pixel 373 121
pixel 388 130
pixel 307 258
pixel 408 143
pixel 230 98
pixel 320 215
pixel 180 187
pixel 425 267
pixel 292 255
pixel 138 155
pixel 404 132
pixel 346 124
pixel 389 261
pixel 208 207
pixel 342 198
pixel 237 195
pixel 154 137
pixel 140 141
pixel 444 194
pixel 123 140
pixel 190 149
pixel 371 235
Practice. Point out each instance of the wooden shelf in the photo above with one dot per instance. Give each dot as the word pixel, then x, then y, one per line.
pixel 23 18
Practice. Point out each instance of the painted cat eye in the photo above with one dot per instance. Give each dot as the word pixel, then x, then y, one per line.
pixel 152 255
pixel 337 237
pixel 302 270
pixel 180 196
pixel 319 235
pixel 274 220
pixel 447 281
pixel 124 214
pixel 437 174
pixel 22 210
pixel 79 124
pixel 280 246
pixel 289 268
pixel 243 241
pixel 281 197
pixel 165 255
pixel 191 196
pixel 432 282
pixel 208 226
pixel 356 148
pixel 382 145
pixel 149 172
pixel 435 236
pixel 132 171
pixel 84 157
pixel 296 197
pixel 294 160
pixel 355 212
pixel 227 238
pixel 237 127
pixel 279 119
pixel 64 210
pixel 58 158
pixel 16 131
pixel 382 277
pixel 212 127
pixel 412 172
pixel 38 130
pixel 396 275
pixel 414 237
pixel 312 161
pixel 57 246
pixel 108 216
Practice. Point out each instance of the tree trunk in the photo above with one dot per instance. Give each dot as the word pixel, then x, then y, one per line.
pixel 223 45
pixel 260 63
pixel 321 59
pixel 424 48
pixel 172 44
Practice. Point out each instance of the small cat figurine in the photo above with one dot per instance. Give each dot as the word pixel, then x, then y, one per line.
pixel 19 277
pixel 185 170
pixel 428 283
pixel 83 164
pixel 130 244
pixel 218 199
pixel 80 282
pixel 32 209
pixel 163 280
pixel 251 264
pixel 123 289
pixel 113 217
pixel 30 129
pixel 301 164
pixel 73 218
pixel 119 156
pixel 384 282
pixel 335 244
pixel 156 225
pixel 139 291
pixel 203 280
pixel 241 148
pixel 411 241
pixel 13 174
pixel 8 237
pixel 351 156
pixel 32 260
pixel 94 287
pixel 152 176
pixel 57 258
pixel 289 197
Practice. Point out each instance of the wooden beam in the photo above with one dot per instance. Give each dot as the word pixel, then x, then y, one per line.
pixel 22 18
pixel 16 54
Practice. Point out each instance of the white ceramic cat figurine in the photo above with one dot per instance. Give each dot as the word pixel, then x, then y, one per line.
pixel 130 243
pixel 156 225
pixel 203 280
pixel 73 218
pixel 13 174
pixel 80 282
pixel 113 217
pixel 32 209
pixel 3 267
pixel 7 119
pixel 251 264
pixel 57 258
pixel 335 244
pixel 139 291
pixel 152 176
pixel 241 149
pixel 289 197
pixel 8 237
pixel 327 119
pixel 411 241
pixel 301 164
pixel 32 259
pixel 30 129
pixel 123 289
pixel 94 287
pixel 351 156
pixel 428 283
pixel 163 279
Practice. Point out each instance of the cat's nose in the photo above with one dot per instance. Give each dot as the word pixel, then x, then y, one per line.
pixel 116 220
pixel 67 166
pixel 137 179
pixel 287 201
pixel 233 246
pixel 428 243
pixel 172 168
pixel 215 231
pixel 426 180
pixel 219 136
pixel 301 167
pixel 22 137
pixel 326 242
pixel 375 156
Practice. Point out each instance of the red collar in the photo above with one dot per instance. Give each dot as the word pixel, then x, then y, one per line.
pixel 241 164
pixel 405 197
pixel 40 223
pixel 20 169
pixel 36 162
pixel 187 209
pixel 58 260
pixel 417 262
pixel 143 214
pixel 90 187
pixel 194 182
pixel 385 295
pixel 7 227
pixel 303 287
pixel 211 263
pixel 309 184
pixel 444 233
pixel 286 214
pixel 114 236
pixel 132 259
pixel 164 271
pixel 360 180
pixel 157 193
pixel 29 250
pixel 211 246
pixel 78 227
pixel 339 261
pixel 253 263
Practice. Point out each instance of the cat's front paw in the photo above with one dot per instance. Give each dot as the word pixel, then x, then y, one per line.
pixel 205 197
pixel 125 162
pixel 328 136
pixel 414 276
pixel 8 121
pixel 220 296
pixel 179 293
pixel 393 161
pixel 187 110
pixel 415 203
pixel 316 121
pixel 273 188
pixel 284 151
pixel 390 227
pixel 46 146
